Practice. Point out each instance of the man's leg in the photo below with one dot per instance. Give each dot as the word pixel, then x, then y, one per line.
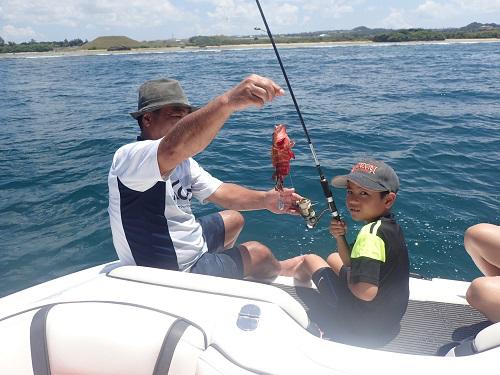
pixel 258 260
pixel 289 266
pixel 233 224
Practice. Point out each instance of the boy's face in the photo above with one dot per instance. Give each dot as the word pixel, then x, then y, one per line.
pixel 367 205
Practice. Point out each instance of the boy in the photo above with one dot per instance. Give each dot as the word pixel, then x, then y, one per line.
pixel 367 285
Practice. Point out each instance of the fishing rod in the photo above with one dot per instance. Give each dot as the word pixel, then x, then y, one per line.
pixel 324 183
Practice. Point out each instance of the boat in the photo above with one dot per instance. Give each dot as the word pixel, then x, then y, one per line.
pixel 120 319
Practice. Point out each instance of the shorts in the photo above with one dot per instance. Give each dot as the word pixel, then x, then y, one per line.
pixel 217 261
pixel 334 291
pixel 356 321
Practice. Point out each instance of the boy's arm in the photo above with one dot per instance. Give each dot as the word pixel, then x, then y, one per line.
pixel 344 251
pixel 360 289
pixel 338 229
pixel 367 256
pixel 363 291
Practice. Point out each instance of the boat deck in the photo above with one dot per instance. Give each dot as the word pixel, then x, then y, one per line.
pixel 427 328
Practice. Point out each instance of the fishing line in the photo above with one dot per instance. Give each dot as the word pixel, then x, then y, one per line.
pixel 324 183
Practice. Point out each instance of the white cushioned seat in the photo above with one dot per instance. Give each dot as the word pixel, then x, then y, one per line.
pixel 15 353
pixel 98 338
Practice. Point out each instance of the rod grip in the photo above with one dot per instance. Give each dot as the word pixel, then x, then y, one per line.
pixel 329 198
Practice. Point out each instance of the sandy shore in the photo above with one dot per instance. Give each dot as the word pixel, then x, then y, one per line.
pixel 81 52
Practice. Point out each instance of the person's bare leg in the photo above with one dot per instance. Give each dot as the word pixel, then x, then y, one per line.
pixel 311 264
pixel 484 295
pixel 233 224
pixel 482 242
pixel 258 260
pixel 335 262
pixel 289 266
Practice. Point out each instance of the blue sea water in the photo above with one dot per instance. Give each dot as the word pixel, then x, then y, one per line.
pixel 431 110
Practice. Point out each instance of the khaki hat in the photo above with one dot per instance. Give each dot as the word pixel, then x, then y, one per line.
pixel 158 93
pixel 371 174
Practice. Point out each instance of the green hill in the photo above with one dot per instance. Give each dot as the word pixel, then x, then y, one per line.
pixel 105 42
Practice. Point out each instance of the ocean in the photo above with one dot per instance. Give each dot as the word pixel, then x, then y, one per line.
pixel 430 110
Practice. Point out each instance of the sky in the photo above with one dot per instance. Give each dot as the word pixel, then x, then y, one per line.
pixel 55 20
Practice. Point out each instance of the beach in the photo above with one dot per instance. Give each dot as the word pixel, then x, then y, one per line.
pixel 84 52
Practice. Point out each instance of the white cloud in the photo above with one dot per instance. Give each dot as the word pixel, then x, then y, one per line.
pixel 191 16
pixel 241 16
pixel 441 9
pixel 226 14
pixel 155 19
pixel 14 34
pixel 330 8
pixel 397 19
pixel 436 9
pixel 479 6
pixel 103 12
pixel 286 15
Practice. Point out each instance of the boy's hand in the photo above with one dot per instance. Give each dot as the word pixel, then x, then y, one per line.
pixel 338 228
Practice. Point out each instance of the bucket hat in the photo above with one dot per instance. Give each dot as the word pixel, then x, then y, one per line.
pixel 158 93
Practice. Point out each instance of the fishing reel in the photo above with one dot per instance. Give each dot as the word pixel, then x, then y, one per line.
pixel 306 210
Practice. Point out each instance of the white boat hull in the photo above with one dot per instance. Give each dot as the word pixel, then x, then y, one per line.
pixel 126 310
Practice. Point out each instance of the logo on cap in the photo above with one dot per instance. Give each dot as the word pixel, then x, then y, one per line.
pixel 365 168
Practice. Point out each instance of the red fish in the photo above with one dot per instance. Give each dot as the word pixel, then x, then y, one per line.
pixel 281 155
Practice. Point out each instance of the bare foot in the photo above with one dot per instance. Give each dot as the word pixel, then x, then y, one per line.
pixel 289 266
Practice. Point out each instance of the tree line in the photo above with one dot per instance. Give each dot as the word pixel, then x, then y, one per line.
pixel 411 35
pixel 472 31
pixel 34 46
pixel 375 35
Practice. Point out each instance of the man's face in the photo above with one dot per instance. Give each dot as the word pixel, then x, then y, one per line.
pixel 169 115
pixel 159 123
pixel 365 204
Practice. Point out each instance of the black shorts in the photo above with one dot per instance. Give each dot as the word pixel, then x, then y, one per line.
pixel 354 320
pixel 217 261
pixel 334 290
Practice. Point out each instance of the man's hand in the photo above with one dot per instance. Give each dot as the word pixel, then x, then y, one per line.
pixel 338 228
pixel 253 90
pixel 288 198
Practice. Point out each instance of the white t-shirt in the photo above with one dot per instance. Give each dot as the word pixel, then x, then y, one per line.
pixel 150 215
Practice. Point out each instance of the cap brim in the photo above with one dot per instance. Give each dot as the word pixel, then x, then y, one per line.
pixel 153 108
pixel 359 179
pixel 339 181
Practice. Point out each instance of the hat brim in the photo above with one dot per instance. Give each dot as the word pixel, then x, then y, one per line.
pixel 152 108
pixel 359 179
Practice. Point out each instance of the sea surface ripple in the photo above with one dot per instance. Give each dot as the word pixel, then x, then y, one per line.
pixel 431 110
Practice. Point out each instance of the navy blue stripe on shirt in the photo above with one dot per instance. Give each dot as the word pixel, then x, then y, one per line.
pixel 146 228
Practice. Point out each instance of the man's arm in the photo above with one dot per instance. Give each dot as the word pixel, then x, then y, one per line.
pixel 236 197
pixel 193 133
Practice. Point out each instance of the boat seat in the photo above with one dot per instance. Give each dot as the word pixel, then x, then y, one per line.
pixel 214 285
pixel 99 338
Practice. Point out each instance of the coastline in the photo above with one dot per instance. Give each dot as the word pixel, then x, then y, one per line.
pixel 81 52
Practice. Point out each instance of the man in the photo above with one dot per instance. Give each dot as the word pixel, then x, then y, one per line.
pixel 151 183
